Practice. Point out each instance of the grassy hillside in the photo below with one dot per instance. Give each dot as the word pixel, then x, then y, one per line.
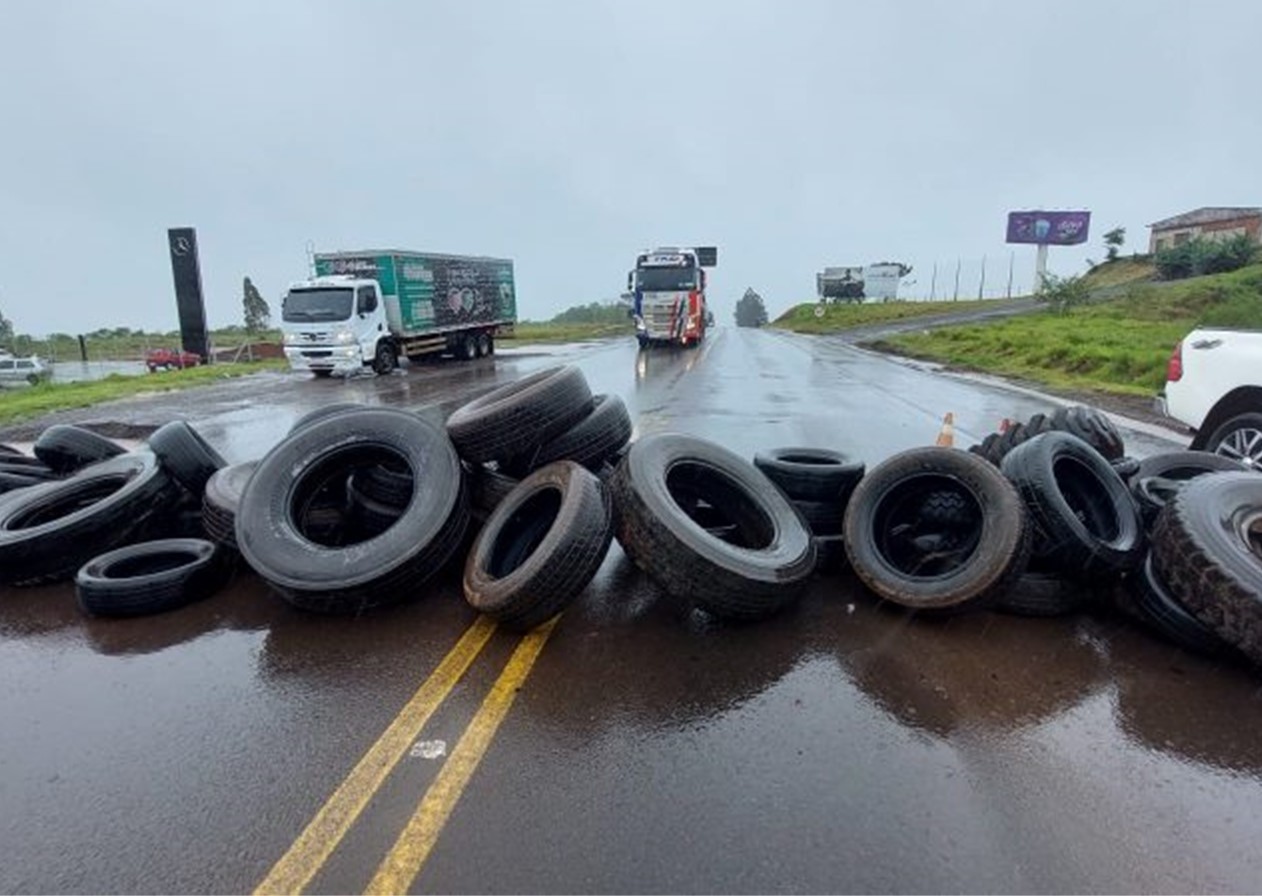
pixel 802 319
pixel 1119 346
pixel 1123 272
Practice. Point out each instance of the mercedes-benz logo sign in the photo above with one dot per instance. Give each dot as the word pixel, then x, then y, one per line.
pixel 180 246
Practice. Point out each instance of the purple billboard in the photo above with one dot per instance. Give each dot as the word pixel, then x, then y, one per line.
pixel 1049 228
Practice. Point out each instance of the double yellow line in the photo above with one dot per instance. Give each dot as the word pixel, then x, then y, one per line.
pixel 396 872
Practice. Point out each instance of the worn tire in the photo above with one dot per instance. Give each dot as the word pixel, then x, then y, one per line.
pixel 728 580
pixel 596 438
pixel 220 500
pixel 1093 427
pixel 1162 474
pixel 822 517
pixel 1045 594
pixel 328 410
pixel 1201 550
pixel 541 547
pixel 186 455
pixel 830 554
pixel 150 577
pixel 488 487
pixel 65 448
pixel 518 417
pixel 37 471
pixel 356 577
pixel 1085 521
pixel 384 484
pixel 811 474
pixel 48 532
pixel 1161 611
pixel 1126 467
pixel 10 482
pixel 940 564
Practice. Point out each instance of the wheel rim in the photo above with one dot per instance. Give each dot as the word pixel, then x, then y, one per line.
pixel 1244 445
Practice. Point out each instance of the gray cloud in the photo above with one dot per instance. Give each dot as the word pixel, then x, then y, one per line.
pixel 569 135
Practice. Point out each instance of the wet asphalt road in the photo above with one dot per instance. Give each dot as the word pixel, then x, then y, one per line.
pixel 837 747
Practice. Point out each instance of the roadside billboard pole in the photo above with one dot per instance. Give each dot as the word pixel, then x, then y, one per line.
pixel 1043 229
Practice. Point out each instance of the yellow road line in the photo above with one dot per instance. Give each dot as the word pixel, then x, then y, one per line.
pixel 404 861
pixel 316 843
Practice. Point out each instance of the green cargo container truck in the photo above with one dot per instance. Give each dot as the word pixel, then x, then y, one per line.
pixel 371 307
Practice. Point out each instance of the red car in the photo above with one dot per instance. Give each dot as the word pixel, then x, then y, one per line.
pixel 167 358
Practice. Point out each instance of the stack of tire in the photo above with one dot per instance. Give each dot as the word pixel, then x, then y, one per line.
pixel 533 448
pixel 125 525
pixel 818 482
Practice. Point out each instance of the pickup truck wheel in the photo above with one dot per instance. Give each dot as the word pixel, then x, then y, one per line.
pixel 1240 438
pixel 540 548
pixel 760 569
pixel 938 530
pixel 385 361
pixel 1086 523
pixel 1207 548
pixel 151 577
pixel 65 448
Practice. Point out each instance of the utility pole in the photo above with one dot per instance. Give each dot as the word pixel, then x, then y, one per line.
pixel 933 283
pixel 981 285
pixel 957 280
pixel 1012 257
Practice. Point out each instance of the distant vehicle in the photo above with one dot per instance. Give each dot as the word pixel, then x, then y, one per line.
pixel 668 298
pixel 1214 387
pixel 368 308
pixel 840 284
pixel 31 369
pixel 170 358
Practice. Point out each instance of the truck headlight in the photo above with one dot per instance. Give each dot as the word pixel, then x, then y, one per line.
pixel 289 338
pixel 344 337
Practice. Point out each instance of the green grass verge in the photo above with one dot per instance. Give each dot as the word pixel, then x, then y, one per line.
pixel 532 331
pixel 22 403
pixel 802 319
pixel 1120 346
pixel 1122 272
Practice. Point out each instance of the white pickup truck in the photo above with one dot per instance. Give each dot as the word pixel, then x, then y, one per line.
pixel 1214 387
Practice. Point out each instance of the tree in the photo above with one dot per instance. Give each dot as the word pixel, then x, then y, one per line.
pixel 1114 240
pixel 6 330
pixel 750 311
pixel 1063 293
pixel 257 315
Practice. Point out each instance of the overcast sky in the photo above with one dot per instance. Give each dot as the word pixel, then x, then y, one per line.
pixel 568 136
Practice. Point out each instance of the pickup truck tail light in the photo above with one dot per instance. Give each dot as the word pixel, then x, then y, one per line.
pixel 1174 370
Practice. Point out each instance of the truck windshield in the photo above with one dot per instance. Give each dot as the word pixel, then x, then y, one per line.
pixel 666 279
pixel 317 304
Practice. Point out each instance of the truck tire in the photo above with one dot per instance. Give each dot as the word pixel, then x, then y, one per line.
pixel 490 345
pixel 1085 522
pixel 65 448
pixel 10 482
pixel 484 345
pixel 822 517
pixel 48 532
pixel 590 442
pixel 518 417
pixel 762 570
pixel 1045 594
pixel 340 578
pixel 38 472
pixel 487 488
pixel 1205 548
pixel 830 554
pixel 186 455
pixel 390 485
pixel 1240 439
pixel 385 360
pixel 150 577
pixel 466 347
pixel 540 548
pixel 1159 610
pixel 908 551
pixel 1157 477
pixel 811 474
pixel 321 412
pixel 220 500
pixel 1093 427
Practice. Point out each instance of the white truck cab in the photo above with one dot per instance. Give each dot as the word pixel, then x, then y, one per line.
pixel 337 324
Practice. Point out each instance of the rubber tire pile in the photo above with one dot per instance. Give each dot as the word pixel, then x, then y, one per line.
pixel 358 507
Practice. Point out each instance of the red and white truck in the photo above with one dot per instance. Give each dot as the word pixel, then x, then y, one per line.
pixel 668 288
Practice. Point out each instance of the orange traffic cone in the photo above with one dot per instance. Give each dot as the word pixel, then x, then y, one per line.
pixel 946 438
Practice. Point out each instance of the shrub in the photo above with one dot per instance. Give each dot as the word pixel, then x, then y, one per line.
pixel 1200 256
